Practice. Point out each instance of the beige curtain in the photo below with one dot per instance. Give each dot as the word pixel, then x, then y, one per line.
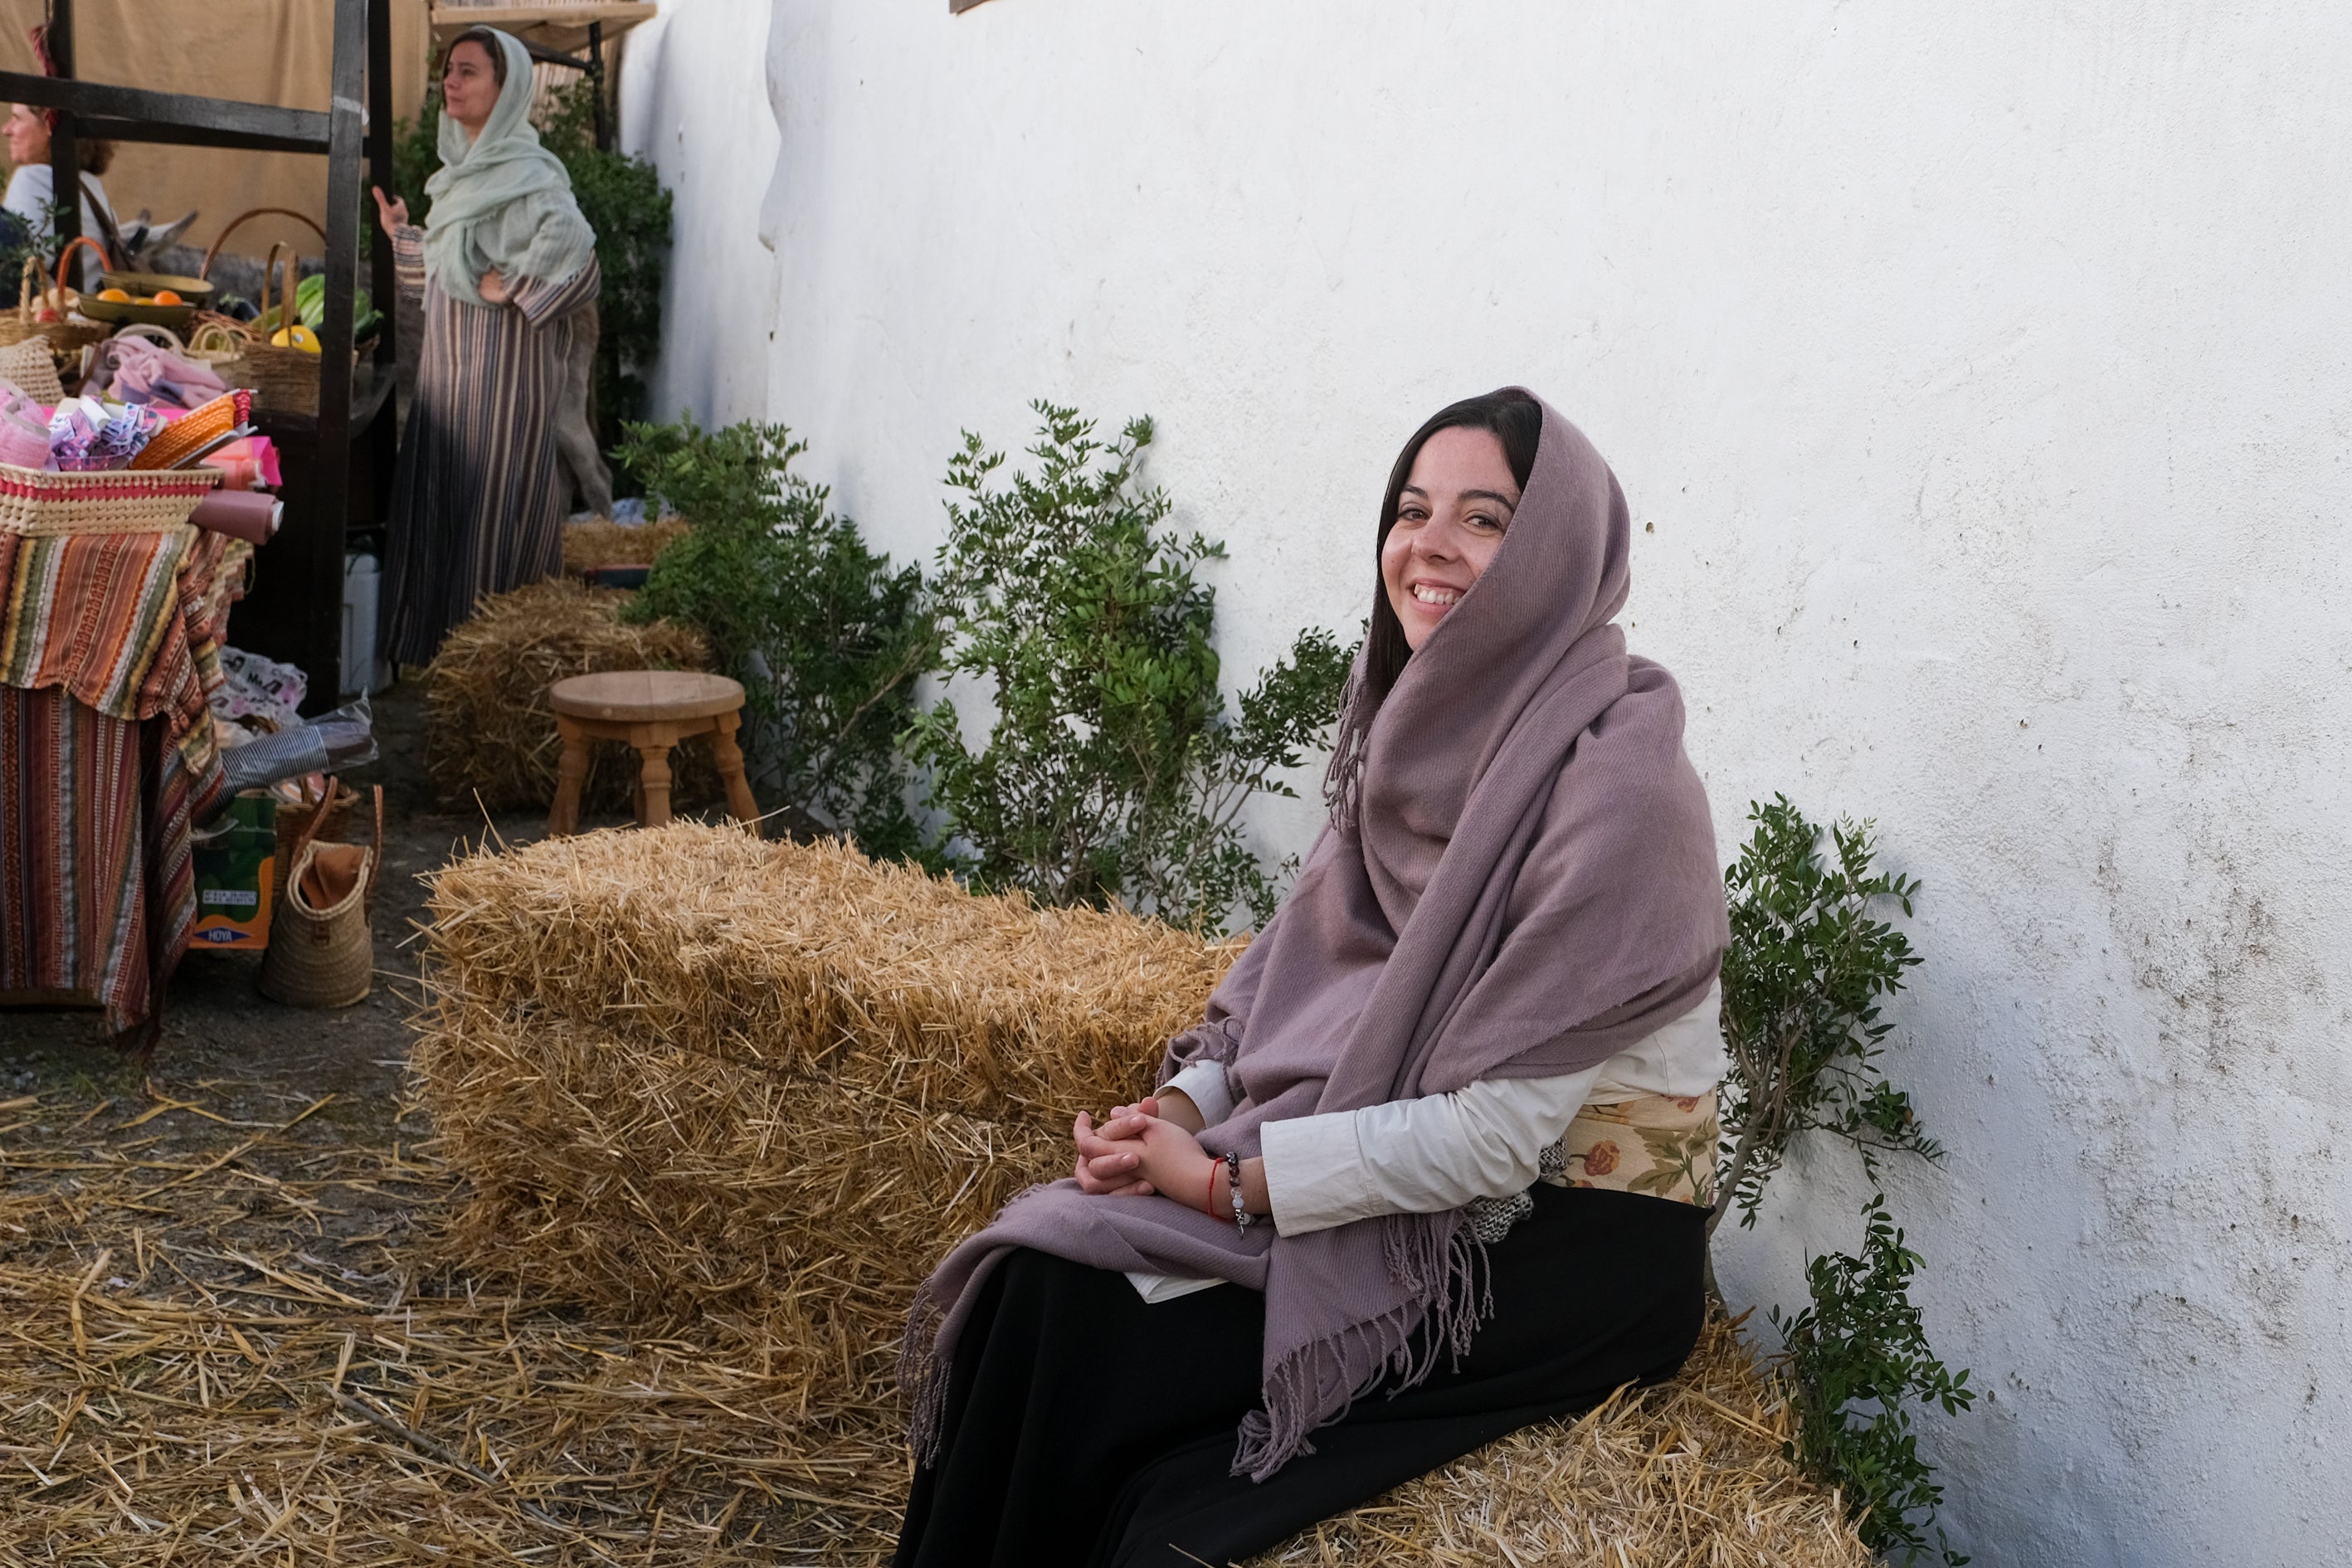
pixel 262 51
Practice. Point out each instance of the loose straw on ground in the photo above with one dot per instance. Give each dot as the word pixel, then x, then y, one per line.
pixel 264 1367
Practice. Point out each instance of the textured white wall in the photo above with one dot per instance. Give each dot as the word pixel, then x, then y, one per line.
pixel 1978 379
pixel 694 101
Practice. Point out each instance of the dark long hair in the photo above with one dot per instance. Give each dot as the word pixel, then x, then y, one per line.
pixel 1515 420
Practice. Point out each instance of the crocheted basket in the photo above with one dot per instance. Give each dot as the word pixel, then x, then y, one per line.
pixel 33 502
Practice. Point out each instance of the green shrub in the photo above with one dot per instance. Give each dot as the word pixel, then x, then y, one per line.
pixel 826 638
pixel 1112 772
pixel 1809 965
pixel 1855 1360
pixel 1803 981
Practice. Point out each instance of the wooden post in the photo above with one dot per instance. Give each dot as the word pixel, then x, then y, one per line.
pixel 65 160
pixel 321 570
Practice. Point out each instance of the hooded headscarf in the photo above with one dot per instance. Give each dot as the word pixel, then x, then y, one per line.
pixel 502 200
pixel 1518 882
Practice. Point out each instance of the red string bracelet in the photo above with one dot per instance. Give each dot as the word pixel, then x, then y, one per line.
pixel 1209 1208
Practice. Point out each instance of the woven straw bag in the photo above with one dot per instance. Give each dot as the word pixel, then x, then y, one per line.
pixel 323 958
pixel 116 500
pixel 220 342
pixel 330 815
pixel 285 380
pixel 28 366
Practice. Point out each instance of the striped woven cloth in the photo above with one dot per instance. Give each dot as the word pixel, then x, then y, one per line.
pixel 127 624
pixel 109 644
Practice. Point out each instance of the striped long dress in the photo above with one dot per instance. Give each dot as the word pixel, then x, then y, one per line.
pixel 478 507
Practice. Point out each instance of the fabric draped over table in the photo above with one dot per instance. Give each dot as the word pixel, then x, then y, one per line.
pixel 477 507
pixel 109 648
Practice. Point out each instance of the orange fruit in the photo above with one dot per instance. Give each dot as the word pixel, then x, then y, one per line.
pixel 115 296
pixel 166 297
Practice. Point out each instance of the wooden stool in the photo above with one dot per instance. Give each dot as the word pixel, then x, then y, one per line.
pixel 650 710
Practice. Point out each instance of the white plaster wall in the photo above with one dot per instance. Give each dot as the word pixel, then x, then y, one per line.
pixel 694 99
pixel 1979 377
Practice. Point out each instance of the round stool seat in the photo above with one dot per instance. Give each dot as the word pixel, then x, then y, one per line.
pixel 650 711
pixel 637 696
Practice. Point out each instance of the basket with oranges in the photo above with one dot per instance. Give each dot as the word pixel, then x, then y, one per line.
pixel 157 299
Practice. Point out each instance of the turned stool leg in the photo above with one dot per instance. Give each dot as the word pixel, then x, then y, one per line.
pixel 729 758
pixel 653 780
pixel 564 816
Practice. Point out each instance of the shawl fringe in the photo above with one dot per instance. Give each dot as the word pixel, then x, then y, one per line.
pixel 1443 1264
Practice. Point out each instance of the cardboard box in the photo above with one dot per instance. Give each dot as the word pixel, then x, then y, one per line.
pixel 233 855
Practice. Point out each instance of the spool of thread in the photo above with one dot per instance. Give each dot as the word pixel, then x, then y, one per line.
pixel 251 515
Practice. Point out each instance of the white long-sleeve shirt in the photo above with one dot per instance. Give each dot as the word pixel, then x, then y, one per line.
pixel 1437 1152
pixel 31 187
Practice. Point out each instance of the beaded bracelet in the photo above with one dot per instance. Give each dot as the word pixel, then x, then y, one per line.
pixel 1241 1217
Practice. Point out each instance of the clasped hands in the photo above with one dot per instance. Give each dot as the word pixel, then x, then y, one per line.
pixel 1152 1147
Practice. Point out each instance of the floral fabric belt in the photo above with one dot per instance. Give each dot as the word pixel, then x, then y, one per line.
pixel 1656 1146
pixel 1665 1148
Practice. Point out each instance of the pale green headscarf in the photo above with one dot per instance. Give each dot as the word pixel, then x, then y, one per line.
pixel 501 199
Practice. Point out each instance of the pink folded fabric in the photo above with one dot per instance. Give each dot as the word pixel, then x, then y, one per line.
pixel 133 370
pixel 24 430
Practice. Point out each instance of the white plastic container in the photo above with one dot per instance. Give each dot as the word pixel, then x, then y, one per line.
pixel 361 581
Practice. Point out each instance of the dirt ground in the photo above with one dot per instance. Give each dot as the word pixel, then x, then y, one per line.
pixel 240 1053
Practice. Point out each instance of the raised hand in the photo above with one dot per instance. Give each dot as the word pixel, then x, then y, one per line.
pixel 394 214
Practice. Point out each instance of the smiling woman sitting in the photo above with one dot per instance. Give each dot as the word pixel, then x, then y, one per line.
pixel 1433 1166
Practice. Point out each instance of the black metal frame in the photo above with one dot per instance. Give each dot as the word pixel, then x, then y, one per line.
pixel 295 611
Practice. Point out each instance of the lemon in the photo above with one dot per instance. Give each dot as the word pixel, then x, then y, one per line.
pixel 296 337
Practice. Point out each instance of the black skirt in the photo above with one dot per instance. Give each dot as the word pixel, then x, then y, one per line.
pixel 1083 1426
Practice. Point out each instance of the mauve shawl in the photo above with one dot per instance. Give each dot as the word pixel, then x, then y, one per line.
pixel 1519 881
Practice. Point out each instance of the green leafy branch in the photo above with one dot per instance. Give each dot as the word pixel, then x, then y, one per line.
pixel 1112 771
pixel 1809 966
pixel 826 637
pixel 1855 1361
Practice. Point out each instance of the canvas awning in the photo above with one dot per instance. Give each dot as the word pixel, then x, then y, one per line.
pixel 557 28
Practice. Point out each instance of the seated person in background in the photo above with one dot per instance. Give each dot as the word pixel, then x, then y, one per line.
pixel 1379 1213
pixel 31 187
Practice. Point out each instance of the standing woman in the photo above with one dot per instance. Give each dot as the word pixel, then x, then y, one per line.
pixel 1436 1164
pixel 504 265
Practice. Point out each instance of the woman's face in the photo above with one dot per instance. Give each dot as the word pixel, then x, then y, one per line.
pixel 1450 520
pixel 28 136
pixel 469 85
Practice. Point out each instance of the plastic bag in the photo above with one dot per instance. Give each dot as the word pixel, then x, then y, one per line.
pixel 332 743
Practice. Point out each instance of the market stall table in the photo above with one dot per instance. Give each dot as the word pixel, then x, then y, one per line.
pixel 109 649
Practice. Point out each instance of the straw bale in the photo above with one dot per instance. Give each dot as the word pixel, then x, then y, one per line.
pixel 490 733
pixel 745 1095
pixel 601 541
pixel 812 959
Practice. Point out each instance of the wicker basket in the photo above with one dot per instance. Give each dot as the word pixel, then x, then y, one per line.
pixel 324 957
pixel 285 380
pixel 185 436
pixel 333 816
pixel 205 272
pixel 219 342
pixel 70 333
pixel 32 369
pixel 35 502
